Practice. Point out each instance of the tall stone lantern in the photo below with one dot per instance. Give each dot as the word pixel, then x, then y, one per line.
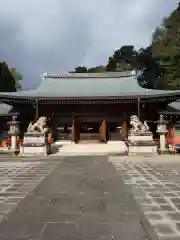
pixel 162 131
pixel 13 132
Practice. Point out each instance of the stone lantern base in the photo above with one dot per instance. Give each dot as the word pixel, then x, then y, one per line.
pixel 162 149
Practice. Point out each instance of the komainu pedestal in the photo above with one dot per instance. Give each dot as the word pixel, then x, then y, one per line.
pixel 140 139
pixel 36 139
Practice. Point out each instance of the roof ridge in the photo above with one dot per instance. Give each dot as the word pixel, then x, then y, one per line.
pixel 90 75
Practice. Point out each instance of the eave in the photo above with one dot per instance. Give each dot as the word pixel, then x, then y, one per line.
pixel 161 98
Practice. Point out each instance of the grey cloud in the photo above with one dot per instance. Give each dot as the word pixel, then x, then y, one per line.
pixel 57 35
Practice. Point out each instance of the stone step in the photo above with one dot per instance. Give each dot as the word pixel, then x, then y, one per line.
pixel 94 148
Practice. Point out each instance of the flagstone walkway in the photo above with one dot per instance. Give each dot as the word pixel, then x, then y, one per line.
pixel 83 198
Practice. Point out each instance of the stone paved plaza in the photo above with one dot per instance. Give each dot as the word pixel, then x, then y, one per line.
pixel 155 184
pixel 90 197
pixel 82 199
pixel 17 179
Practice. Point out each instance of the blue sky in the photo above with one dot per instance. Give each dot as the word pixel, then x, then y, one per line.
pixel 57 35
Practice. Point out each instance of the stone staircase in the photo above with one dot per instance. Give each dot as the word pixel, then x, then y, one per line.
pixel 92 149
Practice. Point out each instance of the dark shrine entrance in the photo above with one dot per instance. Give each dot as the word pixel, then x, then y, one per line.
pixel 89 129
pixel 89 132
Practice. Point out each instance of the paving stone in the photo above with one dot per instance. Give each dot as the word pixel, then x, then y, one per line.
pixel 167 208
pixel 169 237
pixel 150 208
pixel 178 224
pixel 161 190
pixel 154 216
pixel 160 200
pixel 164 229
pixel 6 208
pixel 60 230
pixel 169 194
pixel 134 231
pixel 175 200
pixel 158 185
pixel 145 185
pixel 150 190
pixel 156 195
pixel 170 185
pixel 174 216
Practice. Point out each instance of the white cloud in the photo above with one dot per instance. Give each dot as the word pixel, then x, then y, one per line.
pixel 57 35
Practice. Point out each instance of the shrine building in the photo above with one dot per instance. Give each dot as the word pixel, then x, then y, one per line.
pixel 90 106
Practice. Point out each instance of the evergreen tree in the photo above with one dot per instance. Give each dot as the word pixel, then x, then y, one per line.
pixel 17 77
pixel 166 51
pixel 124 59
pixel 7 81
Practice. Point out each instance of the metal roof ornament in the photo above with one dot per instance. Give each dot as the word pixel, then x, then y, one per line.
pixel 45 74
pixel 133 72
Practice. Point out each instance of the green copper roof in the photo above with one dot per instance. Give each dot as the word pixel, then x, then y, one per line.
pixel 7 110
pixel 91 85
pixel 175 105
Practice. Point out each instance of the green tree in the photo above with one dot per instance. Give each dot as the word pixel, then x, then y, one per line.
pixel 17 77
pixel 166 51
pixel 160 31
pixel 7 81
pixel 123 59
pixel 80 69
pixel 149 67
pixel 97 69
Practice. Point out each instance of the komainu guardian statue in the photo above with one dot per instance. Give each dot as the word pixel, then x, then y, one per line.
pixel 39 126
pixel 138 126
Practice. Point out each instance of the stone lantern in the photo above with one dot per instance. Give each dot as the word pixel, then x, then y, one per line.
pixel 13 132
pixel 162 131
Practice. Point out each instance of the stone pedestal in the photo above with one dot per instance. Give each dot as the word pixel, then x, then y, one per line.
pixel 13 133
pixel 162 131
pixel 141 143
pixel 13 142
pixel 162 142
pixel 35 144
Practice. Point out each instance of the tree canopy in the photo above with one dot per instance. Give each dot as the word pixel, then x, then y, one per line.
pixel 159 62
pixel 9 78
pixel 17 77
pixel 166 51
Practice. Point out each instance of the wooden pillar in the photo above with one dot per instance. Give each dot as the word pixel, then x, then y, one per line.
pixel 124 130
pixel 139 107
pixel 37 110
pixel 102 131
pixel 75 131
